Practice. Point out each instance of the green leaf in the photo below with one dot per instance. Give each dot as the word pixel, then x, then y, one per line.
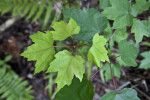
pixel 48 13
pixel 120 34
pixel 120 13
pixel 104 4
pixel 139 7
pixel 42 51
pixel 26 9
pixel 140 28
pixel 98 51
pixel 115 70
pixel 39 13
pixel 125 94
pixel 145 63
pixel 17 9
pixel 2 62
pixel 33 10
pixel 107 32
pixel 8 58
pixel 67 66
pixel 77 90
pixel 63 30
pixel 90 22
pixel 128 53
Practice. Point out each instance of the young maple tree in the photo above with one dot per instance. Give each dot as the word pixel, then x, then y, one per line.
pixel 86 26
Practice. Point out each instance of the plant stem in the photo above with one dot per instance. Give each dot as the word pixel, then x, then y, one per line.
pixel 73 46
pixel 96 72
pixel 111 36
pixel 63 46
pixel 142 18
pixel 83 45
pixel 113 78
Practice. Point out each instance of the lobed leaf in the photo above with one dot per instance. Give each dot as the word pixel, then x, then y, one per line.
pixel 63 30
pixel 139 7
pixel 98 51
pixel 42 51
pixel 140 28
pixel 145 63
pixel 125 94
pixel 90 22
pixel 67 66
pixel 128 53
pixel 120 13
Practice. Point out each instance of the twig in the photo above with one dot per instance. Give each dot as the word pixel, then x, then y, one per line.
pixel 8 23
pixel 83 45
pixel 142 18
pixel 73 46
pixel 113 78
pixel 111 36
pixel 96 72
pixel 63 46
pixel 142 93
pixel 124 85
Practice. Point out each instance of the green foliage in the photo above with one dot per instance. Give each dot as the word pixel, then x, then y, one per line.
pixel 12 88
pixel 145 63
pixel 139 7
pixel 33 9
pixel 107 72
pixel 140 28
pixel 120 34
pixel 3 63
pixel 98 51
pixel 125 94
pixel 77 90
pixel 85 26
pixel 67 66
pixel 90 22
pixel 67 30
pixel 128 53
pixel 51 82
pixel 104 3
pixel 120 13
pixel 42 51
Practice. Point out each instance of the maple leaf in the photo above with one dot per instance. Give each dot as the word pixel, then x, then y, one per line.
pixel 139 7
pixel 140 28
pixel 77 90
pixel 128 53
pixel 90 22
pixel 145 63
pixel 120 13
pixel 67 66
pixel 125 94
pixel 98 51
pixel 63 30
pixel 42 51
pixel 104 4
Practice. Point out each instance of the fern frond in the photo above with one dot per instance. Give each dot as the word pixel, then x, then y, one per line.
pixel 33 9
pixel 12 88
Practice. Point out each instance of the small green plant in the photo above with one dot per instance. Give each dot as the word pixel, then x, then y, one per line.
pixel 11 86
pixel 3 63
pixel 34 10
pixel 92 29
pixel 51 82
